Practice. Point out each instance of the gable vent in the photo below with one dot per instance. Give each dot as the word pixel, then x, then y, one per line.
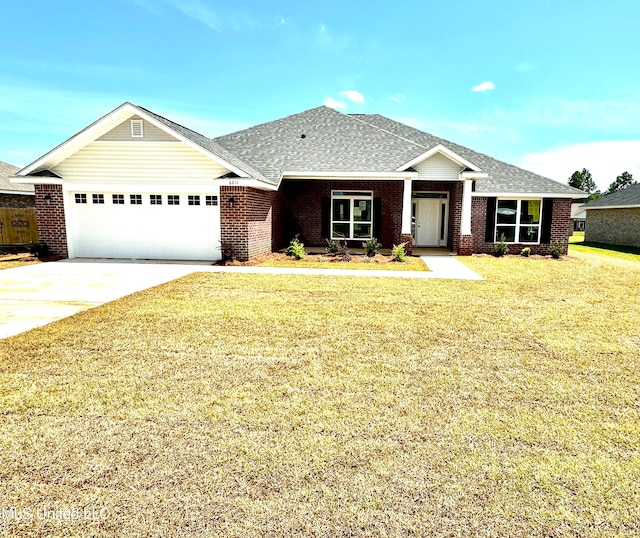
pixel 136 129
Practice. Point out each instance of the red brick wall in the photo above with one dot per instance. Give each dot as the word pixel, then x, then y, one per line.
pixel 246 228
pixel 561 228
pixel 301 206
pixel 51 224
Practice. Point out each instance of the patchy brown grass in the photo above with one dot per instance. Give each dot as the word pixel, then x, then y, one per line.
pixel 16 260
pixel 260 405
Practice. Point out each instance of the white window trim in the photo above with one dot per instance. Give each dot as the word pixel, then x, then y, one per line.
pixel 518 225
pixel 137 129
pixel 361 196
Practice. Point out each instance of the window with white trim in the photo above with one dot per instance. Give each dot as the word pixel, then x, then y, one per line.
pixel 137 129
pixel 211 200
pixel 135 199
pixel 193 199
pixel 97 198
pixel 80 198
pixel 351 214
pixel 117 199
pixel 155 199
pixel 518 220
pixel 173 199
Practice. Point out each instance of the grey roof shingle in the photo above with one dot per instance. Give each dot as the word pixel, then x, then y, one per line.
pixel 626 197
pixel 8 170
pixel 334 141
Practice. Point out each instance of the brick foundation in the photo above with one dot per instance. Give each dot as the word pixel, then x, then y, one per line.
pixel 465 245
pixel 51 220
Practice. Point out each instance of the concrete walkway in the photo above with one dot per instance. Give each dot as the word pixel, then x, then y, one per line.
pixel 38 294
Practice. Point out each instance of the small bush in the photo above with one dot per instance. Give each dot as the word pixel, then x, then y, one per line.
pixel 398 253
pixel 371 247
pixel 526 252
pixel 555 249
pixel 333 245
pixel 500 248
pixel 343 253
pixel 296 248
pixel 40 250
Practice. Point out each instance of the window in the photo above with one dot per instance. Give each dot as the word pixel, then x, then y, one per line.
pixel 81 198
pixel 98 198
pixel 518 220
pixel 136 129
pixel 211 200
pixel 193 199
pixel 173 199
pixel 351 214
pixel 117 199
pixel 135 199
pixel 155 199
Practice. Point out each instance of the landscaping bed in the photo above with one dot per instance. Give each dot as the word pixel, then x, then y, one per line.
pixel 324 261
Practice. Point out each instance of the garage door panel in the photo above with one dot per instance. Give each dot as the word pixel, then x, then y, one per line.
pixel 188 232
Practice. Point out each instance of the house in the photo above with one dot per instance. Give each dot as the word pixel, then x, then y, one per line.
pixel 614 219
pixel 137 185
pixel 578 215
pixel 17 209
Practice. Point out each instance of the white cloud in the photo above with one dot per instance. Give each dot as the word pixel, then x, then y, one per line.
pixel 484 86
pixel 200 12
pixel 354 96
pixel 332 103
pixel 398 97
pixel 605 160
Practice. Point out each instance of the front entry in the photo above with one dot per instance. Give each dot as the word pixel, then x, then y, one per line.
pixel 430 217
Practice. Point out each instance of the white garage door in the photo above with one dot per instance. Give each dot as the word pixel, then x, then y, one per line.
pixel 158 226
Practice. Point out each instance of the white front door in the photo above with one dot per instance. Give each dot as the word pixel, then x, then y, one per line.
pixel 430 213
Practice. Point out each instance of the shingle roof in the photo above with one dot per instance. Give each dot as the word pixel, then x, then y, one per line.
pixel 206 143
pixel 8 170
pixel 503 177
pixel 323 139
pixel 626 197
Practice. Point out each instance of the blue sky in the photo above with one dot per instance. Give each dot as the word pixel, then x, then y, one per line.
pixel 553 86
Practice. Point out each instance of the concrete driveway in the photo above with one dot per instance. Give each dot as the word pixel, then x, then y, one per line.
pixel 38 294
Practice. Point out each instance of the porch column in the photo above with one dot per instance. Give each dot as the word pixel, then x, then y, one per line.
pixel 465 245
pixel 405 229
pixel 465 218
pixel 406 208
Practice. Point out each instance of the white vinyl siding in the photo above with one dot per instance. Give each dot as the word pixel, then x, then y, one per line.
pixel 133 162
pixel 438 168
pixel 122 133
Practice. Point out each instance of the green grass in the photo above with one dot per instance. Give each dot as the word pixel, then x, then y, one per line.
pixel 577 245
pixel 262 405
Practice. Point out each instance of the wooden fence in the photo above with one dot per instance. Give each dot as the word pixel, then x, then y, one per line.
pixel 18 226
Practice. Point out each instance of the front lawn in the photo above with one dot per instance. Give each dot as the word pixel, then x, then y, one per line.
pixel 577 246
pixel 265 405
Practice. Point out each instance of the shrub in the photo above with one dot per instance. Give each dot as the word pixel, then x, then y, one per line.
pixel 526 252
pixel 40 250
pixel 398 253
pixel 371 247
pixel 296 248
pixel 333 245
pixel 343 253
pixel 500 248
pixel 555 249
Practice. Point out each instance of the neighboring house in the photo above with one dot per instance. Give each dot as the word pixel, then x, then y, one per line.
pixel 137 185
pixel 615 219
pixel 578 215
pixel 17 209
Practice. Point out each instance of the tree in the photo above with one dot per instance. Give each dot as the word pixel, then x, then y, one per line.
pixel 583 181
pixel 623 181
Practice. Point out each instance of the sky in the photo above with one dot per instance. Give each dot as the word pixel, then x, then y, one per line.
pixel 552 86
